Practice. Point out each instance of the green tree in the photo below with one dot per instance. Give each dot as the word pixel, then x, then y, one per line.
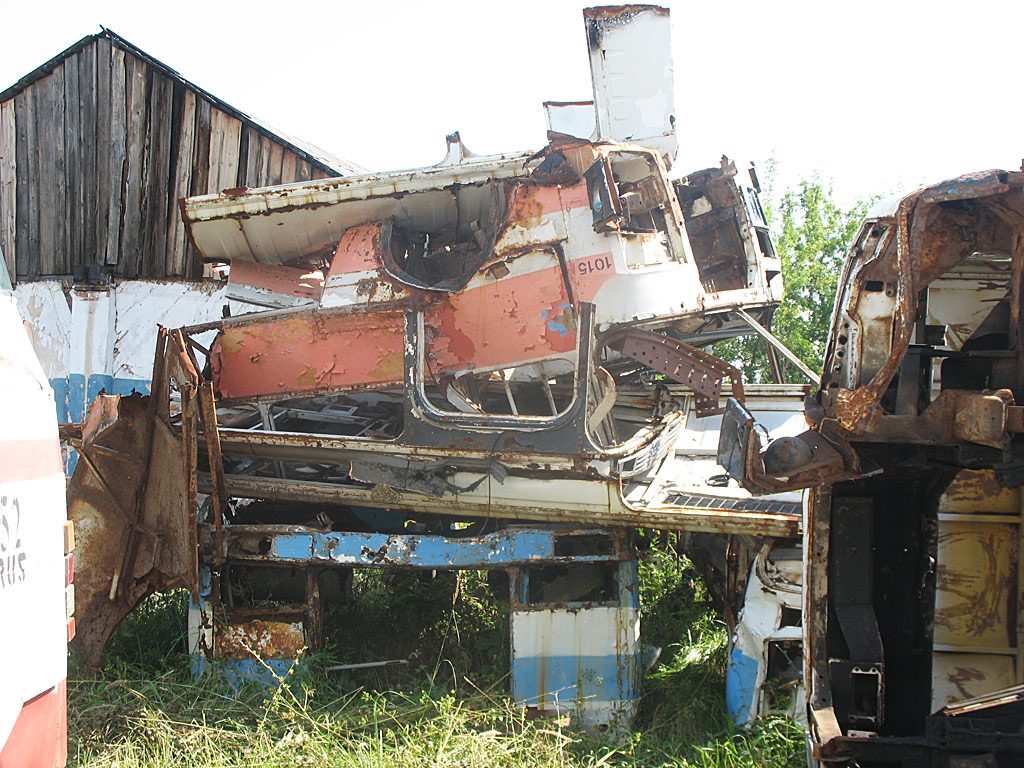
pixel 812 233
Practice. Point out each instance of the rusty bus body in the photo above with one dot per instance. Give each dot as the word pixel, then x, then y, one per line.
pixel 485 363
pixel 912 551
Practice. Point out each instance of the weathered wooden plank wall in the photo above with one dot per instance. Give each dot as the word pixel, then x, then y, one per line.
pixel 8 185
pixel 95 156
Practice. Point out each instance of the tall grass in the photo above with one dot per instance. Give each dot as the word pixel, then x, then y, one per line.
pixel 449 707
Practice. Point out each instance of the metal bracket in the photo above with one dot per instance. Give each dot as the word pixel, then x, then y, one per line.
pixel 700 371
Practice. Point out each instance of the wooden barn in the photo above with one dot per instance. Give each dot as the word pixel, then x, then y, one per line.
pixel 98 145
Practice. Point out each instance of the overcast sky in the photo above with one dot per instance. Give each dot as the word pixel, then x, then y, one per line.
pixel 876 96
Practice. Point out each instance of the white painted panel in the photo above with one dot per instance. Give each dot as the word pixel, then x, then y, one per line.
pixel 571 118
pixel 599 631
pixel 631 69
pixel 45 309
pixel 959 676
pixel 144 305
pixel 32 512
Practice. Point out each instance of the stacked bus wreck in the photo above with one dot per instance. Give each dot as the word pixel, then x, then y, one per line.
pixel 471 365
pixel 913 591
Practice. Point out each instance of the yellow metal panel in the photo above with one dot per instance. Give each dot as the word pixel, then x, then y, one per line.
pixel 959 676
pixel 978 491
pixel 975 584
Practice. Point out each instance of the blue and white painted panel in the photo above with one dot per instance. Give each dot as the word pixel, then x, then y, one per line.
pixel 750 683
pixel 513 546
pixel 581 658
pixel 90 339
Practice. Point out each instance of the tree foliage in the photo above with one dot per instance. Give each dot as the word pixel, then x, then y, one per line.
pixel 812 233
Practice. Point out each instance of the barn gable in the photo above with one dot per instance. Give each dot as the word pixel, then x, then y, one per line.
pixel 98 145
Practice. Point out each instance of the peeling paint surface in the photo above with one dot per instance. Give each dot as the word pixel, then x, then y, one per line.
pixel 308 352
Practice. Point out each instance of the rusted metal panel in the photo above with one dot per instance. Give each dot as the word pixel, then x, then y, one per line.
pixel 979 491
pixel 527 498
pixel 927 236
pixel 259 639
pixel 313 352
pixel 143 546
pixel 685 364
pixel 978 585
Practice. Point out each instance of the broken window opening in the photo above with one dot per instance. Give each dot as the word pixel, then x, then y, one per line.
pixel 583 544
pixel 576 583
pixel 404 616
pixel 373 415
pixel 603 195
pixel 628 195
pixel 783 677
pixel 270 587
pixel 442 247
pixel 791 617
pixel 717 210
pixel 534 391
pixel 438 407
pixel 431 261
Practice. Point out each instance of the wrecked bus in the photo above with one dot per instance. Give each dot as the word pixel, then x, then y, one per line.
pixel 36 544
pixel 486 363
pixel 912 587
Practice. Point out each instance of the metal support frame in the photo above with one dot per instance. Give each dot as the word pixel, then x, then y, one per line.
pixel 770 338
pixel 574 602
pixel 700 371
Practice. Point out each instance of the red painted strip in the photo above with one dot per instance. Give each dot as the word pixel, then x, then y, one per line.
pixel 290 281
pixel 29 459
pixel 69 568
pixel 39 738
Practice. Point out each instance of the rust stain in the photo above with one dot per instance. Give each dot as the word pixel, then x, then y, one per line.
pixel 390 366
pixel 308 378
pixel 962 675
pixel 228 345
pixel 980 583
pixel 459 344
pixel 978 490
pixel 265 639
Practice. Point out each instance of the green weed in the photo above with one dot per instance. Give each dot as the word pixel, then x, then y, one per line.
pixel 448 707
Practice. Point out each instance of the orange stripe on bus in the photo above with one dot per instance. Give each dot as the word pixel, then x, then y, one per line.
pixel 29 459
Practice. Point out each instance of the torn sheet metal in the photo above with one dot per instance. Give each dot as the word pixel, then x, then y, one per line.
pixel 631 67
pixel 135 524
pixel 765 673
